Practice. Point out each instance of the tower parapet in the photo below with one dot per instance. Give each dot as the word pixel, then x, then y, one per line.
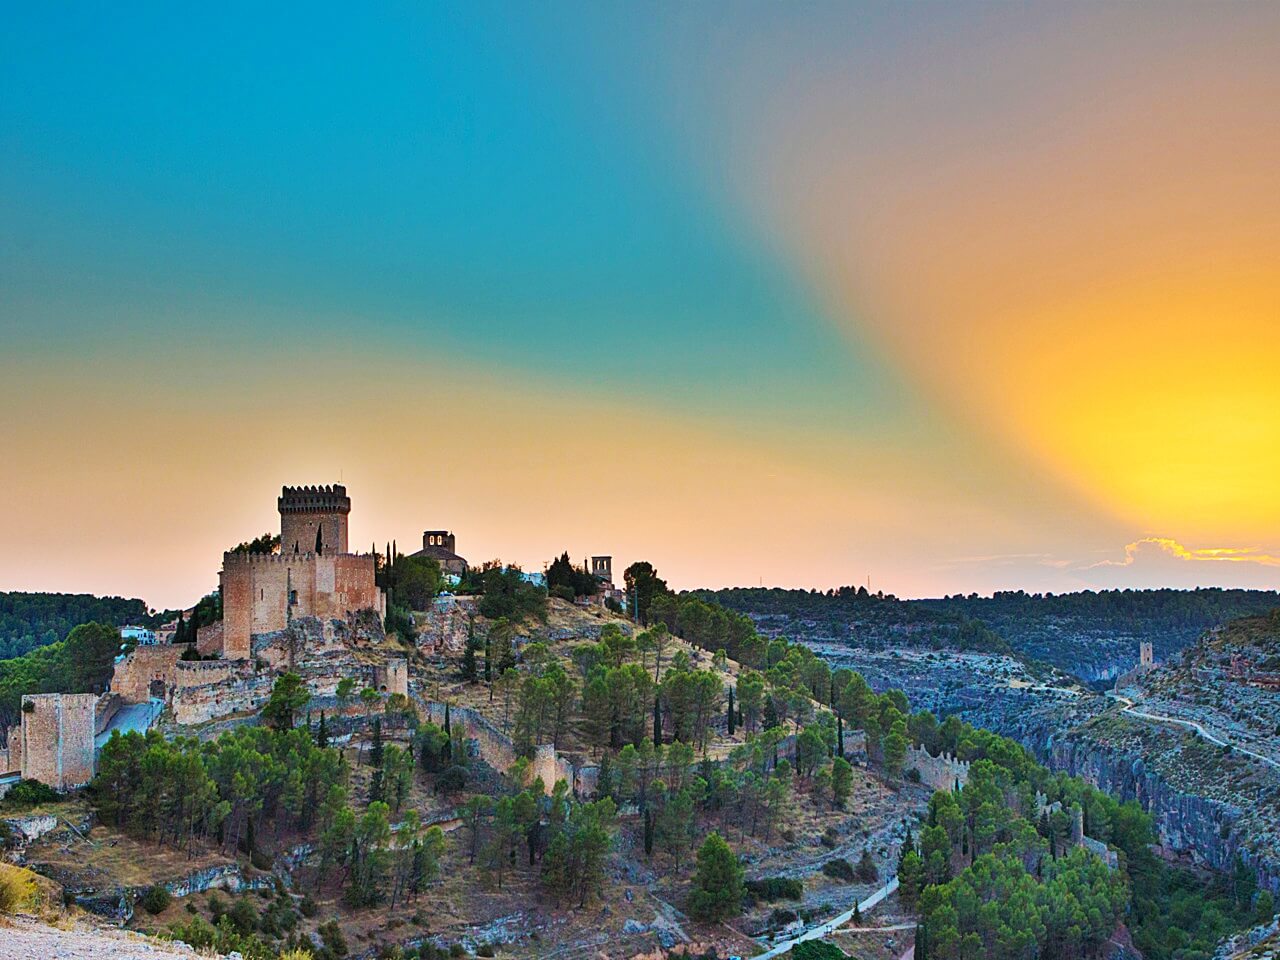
pixel 314 519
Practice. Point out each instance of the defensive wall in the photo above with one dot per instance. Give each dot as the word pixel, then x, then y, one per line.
pixel 57 738
pixel 495 748
pixel 943 772
pixel 263 592
pixel 142 667
pixel 11 750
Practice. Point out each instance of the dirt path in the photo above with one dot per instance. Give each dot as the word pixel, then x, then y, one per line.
pixel 28 938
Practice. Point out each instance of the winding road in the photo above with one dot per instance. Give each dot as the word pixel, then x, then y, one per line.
pixel 831 925
pixel 1128 707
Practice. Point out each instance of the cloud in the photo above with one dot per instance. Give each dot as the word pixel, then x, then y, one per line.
pixel 1166 562
pixel 1172 548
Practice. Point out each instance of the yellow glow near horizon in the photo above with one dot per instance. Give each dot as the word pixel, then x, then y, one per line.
pixel 1084 261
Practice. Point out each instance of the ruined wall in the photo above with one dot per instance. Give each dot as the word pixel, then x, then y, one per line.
pixel 491 744
pixel 57 738
pixel 392 677
pixel 134 674
pixel 11 754
pixel 239 692
pixel 209 640
pixel 195 673
pixel 943 772
pixel 495 748
pixel 261 593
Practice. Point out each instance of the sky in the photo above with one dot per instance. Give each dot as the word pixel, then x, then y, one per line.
pixel 941 297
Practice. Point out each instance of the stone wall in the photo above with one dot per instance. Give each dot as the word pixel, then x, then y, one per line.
pixel 943 772
pixel 262 593
pixel 495 748
pixel 209 640
pixel 392 677
pixel 57 738
pixel 11 750
pixel 134 674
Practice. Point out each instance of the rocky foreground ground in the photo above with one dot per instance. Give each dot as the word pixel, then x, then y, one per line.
pixel 23 938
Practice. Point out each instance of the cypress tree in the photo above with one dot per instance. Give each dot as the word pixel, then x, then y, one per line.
pixel 731 711
pixel 657 722
pixel 447 731
pixel 322 733
pixel 839 736
pixel 648 833
pixel 375 745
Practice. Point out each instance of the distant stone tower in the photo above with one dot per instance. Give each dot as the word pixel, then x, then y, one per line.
pixel 1146 659
pixel 602 568
pixel 314 519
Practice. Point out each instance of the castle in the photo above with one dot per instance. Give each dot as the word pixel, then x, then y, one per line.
pixel 313 575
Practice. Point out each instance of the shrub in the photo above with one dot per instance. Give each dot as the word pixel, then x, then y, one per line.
pixel 486 949
pixel 776 888
pixel 155 899
pixel 298 954
pixel 456 950
pixel 867 871
pixel 263 862
pixel 334 942
pixel 782 916
pixel 243 917
pixel 839 869
pixel 29 793
pixel 217 906
pixel 453 780
pixel 198 934
pixel 308 906
pixel 17 888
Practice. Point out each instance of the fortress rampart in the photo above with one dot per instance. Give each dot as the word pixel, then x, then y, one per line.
pixel 943 772
pixel 262 593
pixel 57 738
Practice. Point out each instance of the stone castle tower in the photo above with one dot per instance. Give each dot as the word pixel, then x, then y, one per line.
pixel 313 575
pixel 314 519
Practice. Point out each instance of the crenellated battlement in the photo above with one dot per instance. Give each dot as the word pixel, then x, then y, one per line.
pixel 237 558
pixel 331 498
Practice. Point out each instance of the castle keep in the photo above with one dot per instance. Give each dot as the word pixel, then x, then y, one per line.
pixel 313 575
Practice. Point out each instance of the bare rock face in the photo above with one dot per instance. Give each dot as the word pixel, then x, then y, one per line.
pixel 445 627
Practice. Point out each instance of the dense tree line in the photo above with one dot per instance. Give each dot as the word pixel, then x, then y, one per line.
pixel 82 663
pixel 31 620
pixel 567 581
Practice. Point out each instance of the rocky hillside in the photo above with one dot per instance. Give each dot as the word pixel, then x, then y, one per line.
pixel 1093 636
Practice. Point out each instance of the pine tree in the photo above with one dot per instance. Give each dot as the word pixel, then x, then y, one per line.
pixel 718 887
